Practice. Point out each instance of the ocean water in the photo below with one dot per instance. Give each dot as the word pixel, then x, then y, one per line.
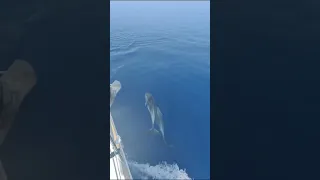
pixel 163 48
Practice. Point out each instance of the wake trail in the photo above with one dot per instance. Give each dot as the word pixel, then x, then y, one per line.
pixel 159 171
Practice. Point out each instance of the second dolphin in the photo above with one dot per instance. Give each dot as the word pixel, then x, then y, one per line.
pixel 156 116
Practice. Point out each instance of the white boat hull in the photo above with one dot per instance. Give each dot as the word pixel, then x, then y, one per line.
pixel 119 168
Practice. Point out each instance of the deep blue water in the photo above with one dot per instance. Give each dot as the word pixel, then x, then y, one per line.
pixel 163 48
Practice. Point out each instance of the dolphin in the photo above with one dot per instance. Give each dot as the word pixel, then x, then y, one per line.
pixel 114 89
pixel 150 104
pixel 159 122
pixel 156 116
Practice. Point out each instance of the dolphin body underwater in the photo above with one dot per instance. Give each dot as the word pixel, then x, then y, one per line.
pixel 156 116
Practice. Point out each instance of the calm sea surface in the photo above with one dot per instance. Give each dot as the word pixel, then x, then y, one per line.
pixel 163 48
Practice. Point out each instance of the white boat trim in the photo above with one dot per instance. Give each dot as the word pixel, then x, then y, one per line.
pixel 119 168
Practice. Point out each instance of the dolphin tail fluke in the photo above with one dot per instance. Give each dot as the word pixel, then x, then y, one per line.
pixel 154 131
pixel 169 145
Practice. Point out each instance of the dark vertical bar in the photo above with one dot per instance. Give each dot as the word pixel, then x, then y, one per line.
pixel 62 128
pixel 266 93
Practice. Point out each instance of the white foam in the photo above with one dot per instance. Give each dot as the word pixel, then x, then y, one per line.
pixel 159 171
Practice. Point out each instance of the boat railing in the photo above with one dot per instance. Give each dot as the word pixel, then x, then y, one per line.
pixel 116 151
